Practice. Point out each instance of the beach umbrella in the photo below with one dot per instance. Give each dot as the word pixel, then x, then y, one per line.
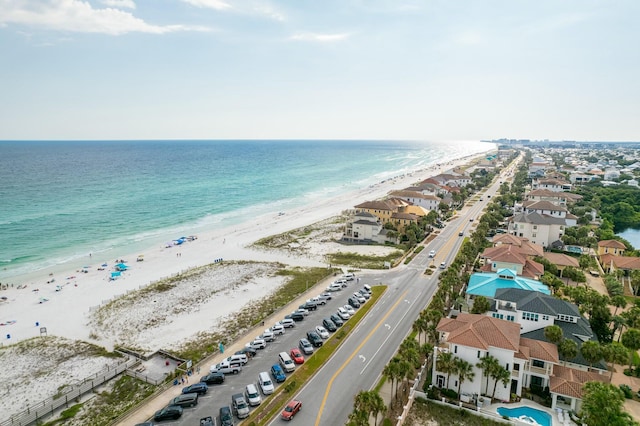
pixel 115 274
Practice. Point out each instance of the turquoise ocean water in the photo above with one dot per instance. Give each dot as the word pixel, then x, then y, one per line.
pixel 61 200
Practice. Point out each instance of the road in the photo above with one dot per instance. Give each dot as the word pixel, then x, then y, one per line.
pixel 357 364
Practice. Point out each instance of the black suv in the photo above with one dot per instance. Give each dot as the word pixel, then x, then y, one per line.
pixel 314 338
pixel 337 320
pixel 226 418
pixel 213 378
pixel 309 306
pixel 172 412
pixel 329 325
pixel 296 316
pixel 199 388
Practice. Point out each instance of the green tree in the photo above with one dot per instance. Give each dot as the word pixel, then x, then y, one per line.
pixel 602 405
pixel 464 370
pixel 377 405
pixel 500 374
pixel 568 349
pixel 361 410
pixel 618 301
pixel 553 333
pixel 480 305
pixel 488 364
pixel 631 340
pixel 591 351
pixel 615 353
pixel 446 363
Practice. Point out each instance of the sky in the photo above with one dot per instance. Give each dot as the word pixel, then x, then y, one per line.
pixel 324 69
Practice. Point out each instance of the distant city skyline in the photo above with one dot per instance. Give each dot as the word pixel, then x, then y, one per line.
pixel 337 69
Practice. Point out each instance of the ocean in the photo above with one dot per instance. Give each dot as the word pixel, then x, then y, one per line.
pixel 61 200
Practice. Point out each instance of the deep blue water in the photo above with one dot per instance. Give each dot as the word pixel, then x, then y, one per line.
pixel 61 200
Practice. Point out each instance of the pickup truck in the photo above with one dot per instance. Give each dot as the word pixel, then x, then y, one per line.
pixel 226 368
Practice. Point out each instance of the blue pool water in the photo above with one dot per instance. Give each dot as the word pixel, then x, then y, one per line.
pixel 542 418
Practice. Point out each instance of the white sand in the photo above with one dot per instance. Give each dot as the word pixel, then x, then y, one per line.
pixel 182 312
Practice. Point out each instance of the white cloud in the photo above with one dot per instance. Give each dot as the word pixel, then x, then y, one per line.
pixel 78 16
pixel 209 4
pixel 322 38
pixel 270 12
pixel 121 4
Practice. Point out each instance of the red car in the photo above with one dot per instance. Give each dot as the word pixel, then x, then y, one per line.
pixel 291 409
pixel 296 355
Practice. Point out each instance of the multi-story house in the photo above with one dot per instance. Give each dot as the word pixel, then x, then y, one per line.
pixel 512 257
pixel 538 228
pixel 614 247
pixel 427 201
pixel 556 197
pixel 487 284
pixel 556 185
pixel 364 227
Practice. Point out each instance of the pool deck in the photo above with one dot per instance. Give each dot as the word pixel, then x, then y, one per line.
pixel 528 403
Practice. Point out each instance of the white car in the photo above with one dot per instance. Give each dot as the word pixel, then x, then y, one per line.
pixel 334 287
pixel 432 253
pixel 287 323
pixel 278 329
pixel 342 313
pixel 268 335
pixel 359 297
pixel 319 300
pixel 257 343
pixel 341 282
pixel 302 311
pixel 349 310
pixel 322 332
pixel 326 296
pixel 349 276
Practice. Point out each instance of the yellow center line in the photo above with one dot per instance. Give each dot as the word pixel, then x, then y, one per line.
pixel 326 393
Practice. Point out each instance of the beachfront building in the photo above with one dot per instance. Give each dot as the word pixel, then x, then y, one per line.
pixel 488 283
pixel 364 228
pixel 382 209
pixel 417 198
pixel 472 337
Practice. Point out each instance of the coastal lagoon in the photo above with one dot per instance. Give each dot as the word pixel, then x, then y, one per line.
pixel 632 235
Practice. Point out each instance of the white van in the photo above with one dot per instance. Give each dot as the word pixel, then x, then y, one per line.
pixel 286 362
pixel 264 380
pixel 367 287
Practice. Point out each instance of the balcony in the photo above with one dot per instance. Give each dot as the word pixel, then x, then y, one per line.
pixel 515 373
pixel 538 370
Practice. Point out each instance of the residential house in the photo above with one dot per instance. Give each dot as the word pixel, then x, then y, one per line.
pixel 550 209
pixel 402 220
pixel 538 228
pixel 557 185
pixel 561 260
pixel 382 209
pixel 364 227
pixel 556 197
pixel 512 257
pixel 612 263
pixel 614 247
pixel 487 283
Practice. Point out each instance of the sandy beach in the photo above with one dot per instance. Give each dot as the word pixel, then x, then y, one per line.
pixel 72 306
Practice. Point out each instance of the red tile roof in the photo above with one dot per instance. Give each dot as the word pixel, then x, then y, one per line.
pixel 481 331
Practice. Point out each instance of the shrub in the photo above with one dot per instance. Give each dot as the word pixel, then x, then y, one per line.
pixel 628 393
pixel 449 393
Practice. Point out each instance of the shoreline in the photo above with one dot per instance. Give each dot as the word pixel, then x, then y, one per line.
pixel 65 312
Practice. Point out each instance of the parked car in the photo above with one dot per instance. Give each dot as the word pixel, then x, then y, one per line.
pixel 319 300
pixel 199 388
pixel 226 368
pixel 314 338
pixel 334 287
pixel 248 351
pixel 341 282
pixel 257 343
pixel 342 313
pixel 278 373
pixel 349 310
pixel 359 297
pixel 265 383
pixel 278 329
pixel 295 316
pixel 337 320
pixel 291 410
pixel 329 325
pixel 252 394
pixel 305 346
pixel 226 418
pixel 288 323
pixel 235 358
pixel 322 332
pixel 364 293
pixel 353 302
pixel 309 305
pixel 214 378
pixel 268 335
pixel 170 412
pixel 349 276
pixel 185 400
pixel 326 296
pixel 301 311
pixel 240 406
pixel 206 421
pixel 296 355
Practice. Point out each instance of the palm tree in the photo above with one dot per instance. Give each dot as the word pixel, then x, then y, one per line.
pixel 553 333
pixel 446 364
pixel 500 374
pixel 406 371
pixel 420 325
pixel 390 371
pixel 618 301
pixel 464 370
pixel 568 349
pixel 615 353
pixel 487 364
pixel 377 405
pixel 591 351
pixel 426 349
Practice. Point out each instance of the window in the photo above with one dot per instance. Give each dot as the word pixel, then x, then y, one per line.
pixel 507 367
pixel 545 318
pixel 529 316
pixel 538 363
pixel 511 318
pixel 478 354
pixel 566 318
pixel 534 235
pixel 497 315
pixel 535 226
pixel 455 349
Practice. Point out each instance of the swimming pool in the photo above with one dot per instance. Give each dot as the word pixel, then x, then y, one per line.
pixel 527 413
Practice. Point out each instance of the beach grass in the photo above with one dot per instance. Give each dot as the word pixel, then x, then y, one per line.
pixel 274 403
pixel 426 412
pixel 296 239
pixel 363 261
